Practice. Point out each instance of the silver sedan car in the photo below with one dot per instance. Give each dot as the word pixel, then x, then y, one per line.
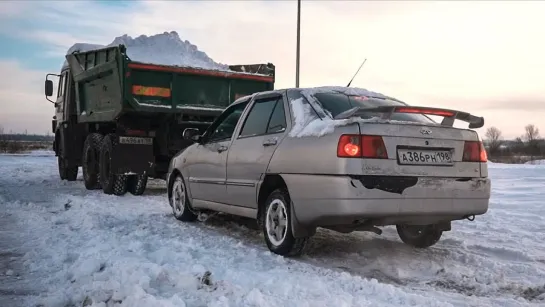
pixel 340 158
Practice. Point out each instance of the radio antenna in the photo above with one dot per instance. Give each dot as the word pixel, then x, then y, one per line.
pixel 356 73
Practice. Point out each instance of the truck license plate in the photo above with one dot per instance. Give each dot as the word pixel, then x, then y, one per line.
pixel 424 157
pixel 135 140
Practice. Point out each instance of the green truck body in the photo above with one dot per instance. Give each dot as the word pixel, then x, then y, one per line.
pixel 108 84
pixel 131 115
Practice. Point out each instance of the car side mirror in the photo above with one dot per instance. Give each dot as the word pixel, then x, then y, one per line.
pixel 191 134
pixel 48 88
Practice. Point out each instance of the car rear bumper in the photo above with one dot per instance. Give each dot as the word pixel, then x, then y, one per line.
pixel 321 200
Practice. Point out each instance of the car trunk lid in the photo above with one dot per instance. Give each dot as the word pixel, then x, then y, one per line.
pixel 404 148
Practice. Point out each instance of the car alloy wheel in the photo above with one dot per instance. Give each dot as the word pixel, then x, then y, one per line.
pixel 276 222
pixel 178 197
pixel 276 225
pixel 179 201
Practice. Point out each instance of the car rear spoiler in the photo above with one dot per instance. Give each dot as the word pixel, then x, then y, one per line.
pixel 448 115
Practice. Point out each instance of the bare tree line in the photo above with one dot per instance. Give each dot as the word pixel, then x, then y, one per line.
pixel 528 146
pixel 17 143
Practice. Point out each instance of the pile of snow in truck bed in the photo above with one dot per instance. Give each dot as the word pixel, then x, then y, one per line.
pixel 162 49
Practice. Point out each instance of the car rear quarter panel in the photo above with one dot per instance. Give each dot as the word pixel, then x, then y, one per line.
pixel 314 155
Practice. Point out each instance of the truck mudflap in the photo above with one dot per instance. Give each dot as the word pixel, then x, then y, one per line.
pixel 133 155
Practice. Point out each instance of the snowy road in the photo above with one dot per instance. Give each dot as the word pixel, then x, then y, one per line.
pixel 61 244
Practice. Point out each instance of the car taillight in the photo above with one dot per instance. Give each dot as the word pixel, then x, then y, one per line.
pixel 474 152
pixel 349 146
pixel 361 146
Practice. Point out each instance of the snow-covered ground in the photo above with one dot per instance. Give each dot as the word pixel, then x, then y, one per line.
pixel 61 245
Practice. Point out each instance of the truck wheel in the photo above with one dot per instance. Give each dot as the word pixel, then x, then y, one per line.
pixel 419 236
pixel 137 184
pixel 111 183
pixel 179 201
pixel 276 225
pixel 66 172
pixel 90 161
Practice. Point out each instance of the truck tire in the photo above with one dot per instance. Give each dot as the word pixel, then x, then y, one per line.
pixel 419 236
pixel 137 184
pixel 66 172
pixel 90 161
pixel 110 182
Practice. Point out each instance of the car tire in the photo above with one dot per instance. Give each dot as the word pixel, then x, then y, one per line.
pixel 137 184
pixel 419 236
pixel 111 183
pixel 276 225
pixel 179 201
pixel 90 161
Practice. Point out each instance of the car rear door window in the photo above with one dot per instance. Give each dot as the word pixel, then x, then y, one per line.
pixel 277 123
pixel 258 118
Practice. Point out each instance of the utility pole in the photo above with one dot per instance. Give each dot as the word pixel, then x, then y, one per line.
pixel 297 60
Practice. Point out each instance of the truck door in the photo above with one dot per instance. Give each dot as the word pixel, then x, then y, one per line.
pixel 61 101
pixel 253 147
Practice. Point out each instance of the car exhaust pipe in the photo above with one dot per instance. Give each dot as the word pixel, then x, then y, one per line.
pixel 470 217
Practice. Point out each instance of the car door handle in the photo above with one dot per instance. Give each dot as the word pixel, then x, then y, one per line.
pixel 222 148
pixel 269 142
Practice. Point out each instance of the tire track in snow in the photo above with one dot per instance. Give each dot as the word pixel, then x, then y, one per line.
pixel 389 261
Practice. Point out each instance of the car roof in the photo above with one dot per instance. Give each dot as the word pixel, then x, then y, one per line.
pixel 320 89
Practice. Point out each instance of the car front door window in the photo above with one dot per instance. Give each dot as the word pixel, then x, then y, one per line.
pixel 223 130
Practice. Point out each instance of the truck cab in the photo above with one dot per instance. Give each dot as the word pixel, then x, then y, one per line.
pixel 64 124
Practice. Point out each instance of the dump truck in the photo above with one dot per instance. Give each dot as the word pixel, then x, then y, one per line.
pixel 123 120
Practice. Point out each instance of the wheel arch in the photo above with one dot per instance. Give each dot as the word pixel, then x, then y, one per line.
pixel 170 181
pixel 270 183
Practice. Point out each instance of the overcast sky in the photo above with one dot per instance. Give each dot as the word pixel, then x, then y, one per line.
pixel 484 57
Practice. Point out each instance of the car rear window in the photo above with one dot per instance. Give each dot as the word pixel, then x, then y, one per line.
pixel 336 103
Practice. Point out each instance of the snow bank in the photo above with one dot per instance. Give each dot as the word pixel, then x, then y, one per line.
pixel 162 49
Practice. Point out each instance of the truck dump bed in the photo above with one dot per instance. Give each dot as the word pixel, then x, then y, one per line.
pixel 108 84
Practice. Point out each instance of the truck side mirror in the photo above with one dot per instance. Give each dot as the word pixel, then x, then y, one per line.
pixel 48 88
pixel 191 134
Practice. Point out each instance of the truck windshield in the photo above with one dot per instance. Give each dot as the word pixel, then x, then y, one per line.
pixel 337 103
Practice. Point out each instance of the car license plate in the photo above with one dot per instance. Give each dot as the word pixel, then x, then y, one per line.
pixel 135 140
pixel 424 157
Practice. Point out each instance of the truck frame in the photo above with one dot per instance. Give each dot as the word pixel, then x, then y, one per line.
pixel 122 121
